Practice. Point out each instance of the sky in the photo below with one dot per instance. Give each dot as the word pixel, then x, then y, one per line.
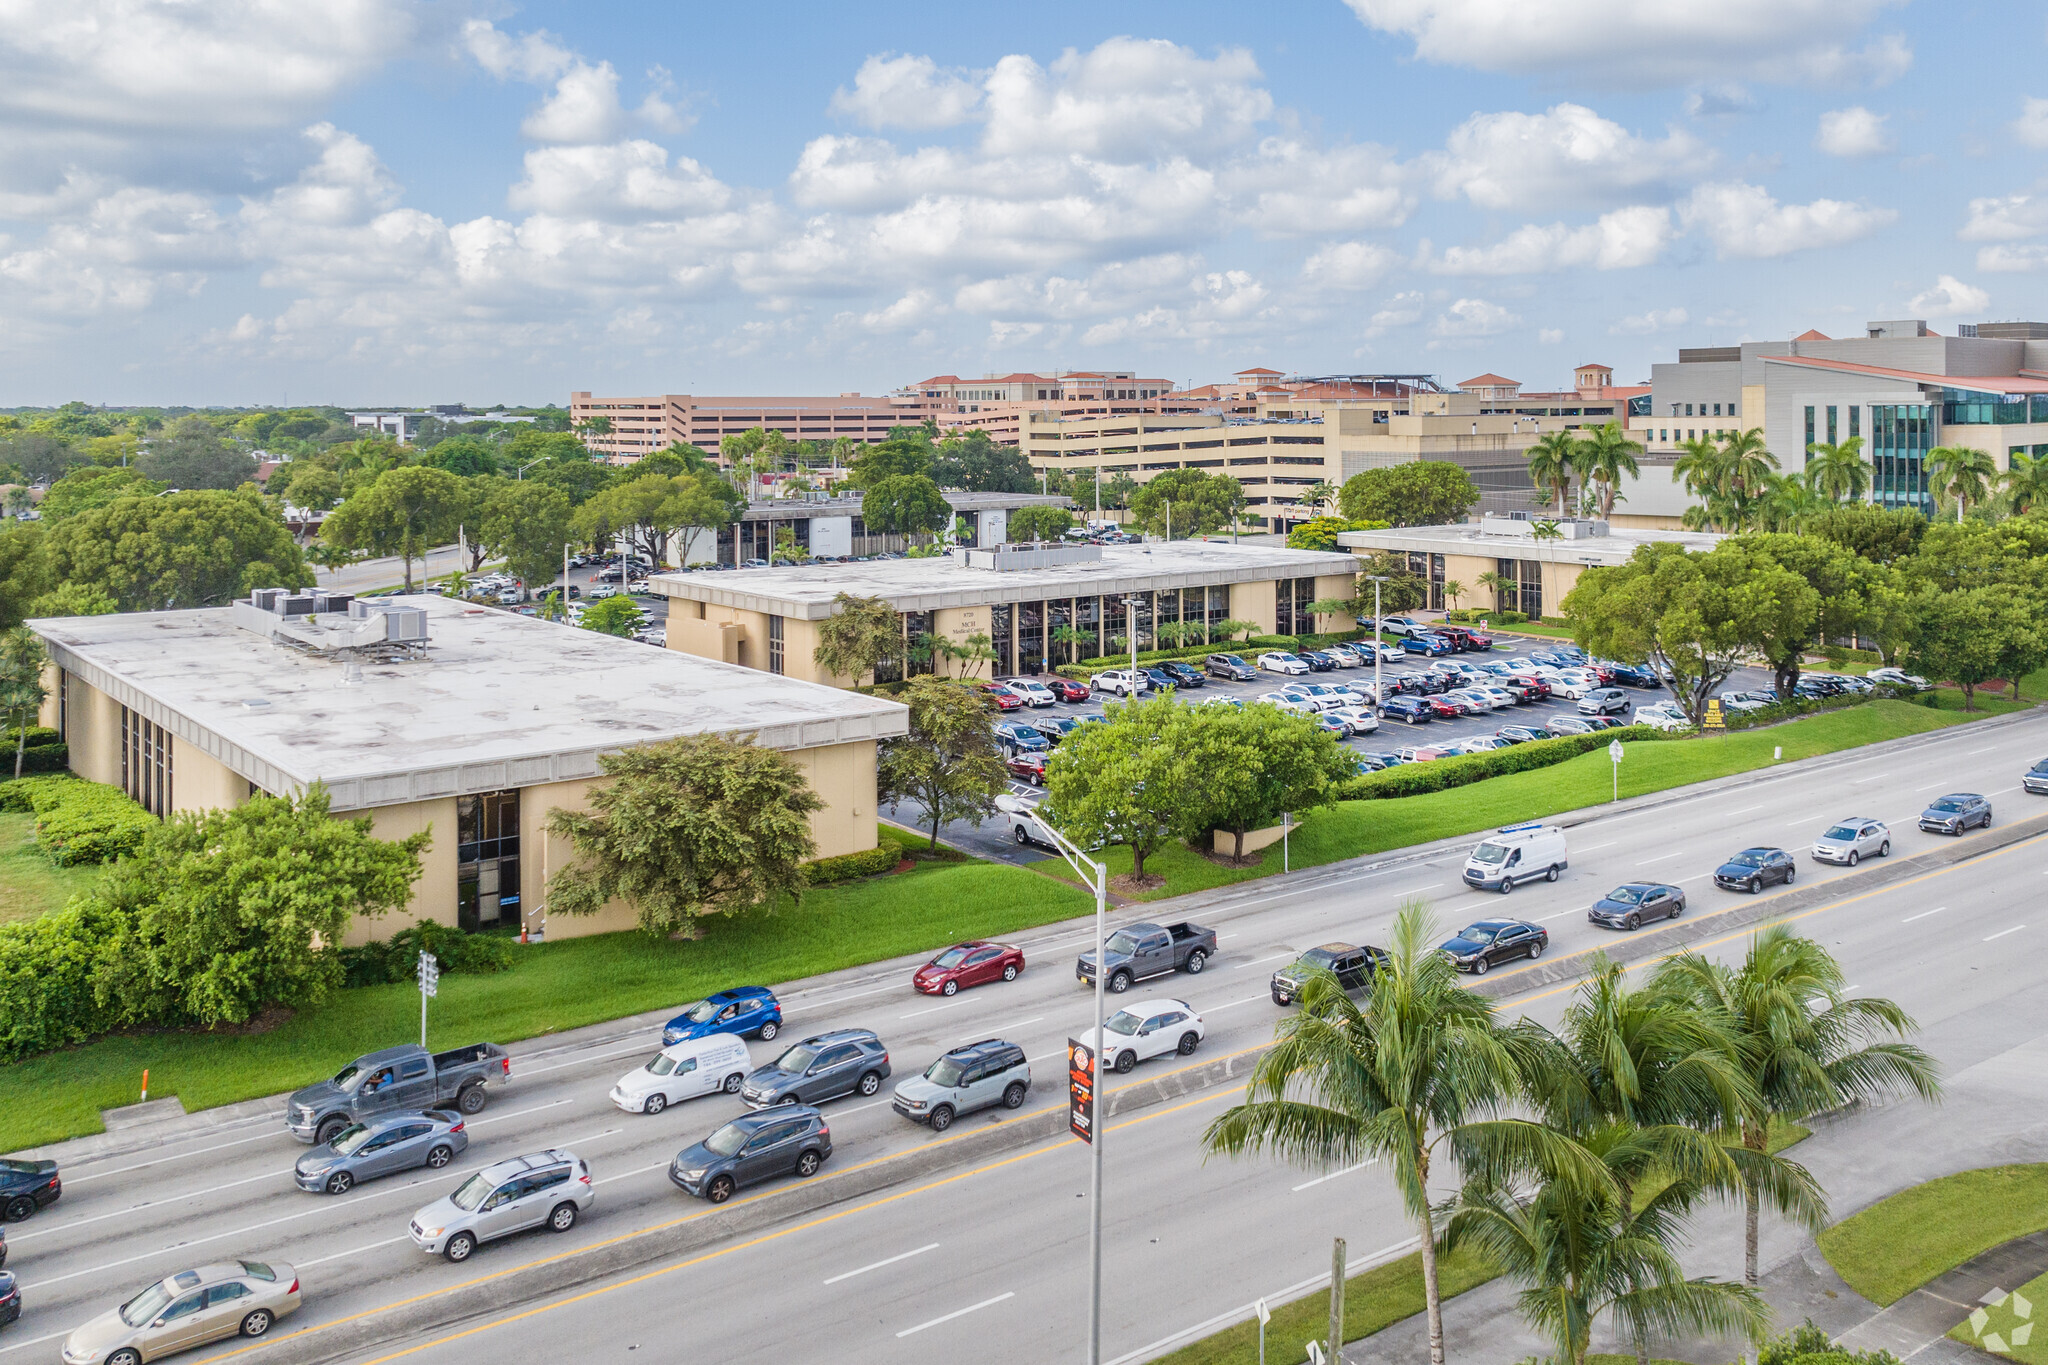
pixel 417 201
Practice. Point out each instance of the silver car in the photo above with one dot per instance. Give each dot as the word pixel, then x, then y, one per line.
pixel 965 1079
pixel 545 1189
pixel 1850 841
pixel 190 1308
pixel 380 1146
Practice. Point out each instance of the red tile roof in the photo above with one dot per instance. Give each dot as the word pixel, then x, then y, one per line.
pixel 937 379
pixel 1981 383
pixel 1595 365
pixel 1490 379
pixel 1811 335
pixel 1255 370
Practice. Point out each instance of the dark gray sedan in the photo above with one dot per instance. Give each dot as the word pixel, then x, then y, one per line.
pixel 1956 812
pixel 380 1146
pixel 1630 905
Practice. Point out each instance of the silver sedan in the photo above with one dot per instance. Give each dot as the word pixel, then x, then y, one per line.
pixel 380 1146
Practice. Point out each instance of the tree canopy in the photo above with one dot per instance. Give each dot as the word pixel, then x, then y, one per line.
pixel 528 525
pixel 1187 502
pixel 195 549
pixel 905 504
pixel 191 454
pixel 861 633
pixel 1040 523
pixel 1125 781
pixel 947 762
pixel 1420 493
pixel 1252 766
pixel 887 460
pixel 92 486
pixel 404 512
pixel 976 463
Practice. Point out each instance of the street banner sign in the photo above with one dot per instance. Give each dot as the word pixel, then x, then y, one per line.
pixel 1081 1090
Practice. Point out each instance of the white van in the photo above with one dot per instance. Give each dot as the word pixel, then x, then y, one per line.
pixel 1517 853
pixel 681 1071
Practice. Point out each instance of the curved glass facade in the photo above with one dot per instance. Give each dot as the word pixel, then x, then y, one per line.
pixel 1901 434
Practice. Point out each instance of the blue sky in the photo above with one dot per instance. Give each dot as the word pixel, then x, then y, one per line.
pixel 255 201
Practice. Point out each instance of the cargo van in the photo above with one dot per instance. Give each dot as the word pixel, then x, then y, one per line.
pixel 1517 853
pixel 682 1071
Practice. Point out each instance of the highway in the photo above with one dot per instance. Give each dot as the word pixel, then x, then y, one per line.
pixel 990 1257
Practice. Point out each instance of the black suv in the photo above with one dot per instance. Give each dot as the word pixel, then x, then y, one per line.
pixel 843 1062
pixel 1231 667
pixel 26 1186
pixel 1183 675
pixel 1352 965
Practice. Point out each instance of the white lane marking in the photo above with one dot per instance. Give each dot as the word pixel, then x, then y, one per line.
pixel 1219 936
pixel 352 1251
pixel 1740 810
pixel 1661 858
pixel 860 1108
pixel 1275 957
pixel 956 1313
pixel 933 1010
pixel 32 1341
pixel 619 1051
pixel 637 1170
pixel 1002 1028
pixel 1559 915
pixel 1939 786
pixel 1985 750
pixel 1597 847
pixel 1695 877
pixel 1878 777
pixel 2003 932
pixel 1309 1184
pixel 902 1256
pixel 1923 914
pixel 74 1180
pixel 1433 886
pixel 1235 1003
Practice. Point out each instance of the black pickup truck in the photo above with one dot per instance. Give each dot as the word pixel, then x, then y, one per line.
pixel 397 1079
pixel 1137 951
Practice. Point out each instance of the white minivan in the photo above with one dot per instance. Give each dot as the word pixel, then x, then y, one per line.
pixel 682 1071
pixel 1517 853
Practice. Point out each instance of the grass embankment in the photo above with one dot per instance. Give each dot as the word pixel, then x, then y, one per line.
pixel 553 986
pixel 1354 828
pixel 30 884
pixel 1898 1244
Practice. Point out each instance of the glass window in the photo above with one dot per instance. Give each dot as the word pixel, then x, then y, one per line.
pixel 1831 424
pixel 999 637
pixel 774 644
pixel 1855 422
pixel 1809 428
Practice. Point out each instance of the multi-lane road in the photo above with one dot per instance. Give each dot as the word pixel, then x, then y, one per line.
pixel 989 1258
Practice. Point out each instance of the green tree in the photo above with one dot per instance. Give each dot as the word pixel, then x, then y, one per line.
pixel 180 550
pixel 1604 455
pixel 1787 503
pixel 906 505
pixel 74 599
pixel 1505 589
pixel 1402 590
pixel 1959 474
pixel 91 486
pixel 1040 523
pixel 1747 460
pixel 1125 781
pixel 1553 461
pixel 976 463
pixel 581 477
pixel 191 454
pixel 686 828
pixel 528 525
pixel 313 486
pixel 22 693
pixel 405 512
pixel 1839 582
pixel 947 761
pixel 1971 635
pixel 2024 486
pixel 1320 533
pixel 1186 502
pixel 654 510
pixel 619 616
pixel 1420 493
pixel 1251 766
pixel 224 911
pixel 1882 535
pixel 463 456
pixel 333 558
pixel 860 633
pixel 891 459
pixel 1838 472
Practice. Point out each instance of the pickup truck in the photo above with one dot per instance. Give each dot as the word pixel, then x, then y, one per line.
pixel 396 1080
pixel 1137 951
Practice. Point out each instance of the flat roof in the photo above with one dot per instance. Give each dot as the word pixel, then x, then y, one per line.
pixel 797 509
pixel 1468 539
pixel 1976 383
pixel 806 591
pixel 498 700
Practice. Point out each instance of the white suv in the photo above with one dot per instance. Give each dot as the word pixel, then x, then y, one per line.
pixel 1145 1029
pixel 1034 692
pixel 1663 715
pixel 1121 681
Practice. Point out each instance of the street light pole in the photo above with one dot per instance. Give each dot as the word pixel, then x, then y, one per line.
pixel 1379 698
pixel 1131 605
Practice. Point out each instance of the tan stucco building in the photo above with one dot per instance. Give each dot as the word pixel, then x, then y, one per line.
pixel 468 722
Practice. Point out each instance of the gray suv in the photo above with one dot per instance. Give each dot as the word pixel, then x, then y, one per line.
pixel 965 1079
pixel 545 1189
pixel 843 1062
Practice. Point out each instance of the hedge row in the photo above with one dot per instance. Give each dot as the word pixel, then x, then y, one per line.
pixel 47 968
pixel 1502 618
pixel 77 821
pixel 847 866
pixel 384 962
pixel 38 736
pixel 1258 644
pixel 1803 706
pixel 1414 779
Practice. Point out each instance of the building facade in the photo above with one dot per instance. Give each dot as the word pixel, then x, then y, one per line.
pixel 826 526
pixel 642 425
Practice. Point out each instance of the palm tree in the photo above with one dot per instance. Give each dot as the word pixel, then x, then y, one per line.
pixel 1839 471
pixel 1604 456
pixel 1749 462
pixel 2025 484
pixel 1959 474
pixel 1395 1078
pixel 1072 640
pixel 1453 590
pixel 1804 1045
pixel 1785 502
pixel 1505 589
pixel 1553 459
pixel 1321 495
pixel 1703 468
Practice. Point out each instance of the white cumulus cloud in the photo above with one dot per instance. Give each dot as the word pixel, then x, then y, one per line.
pixel 1948 298
pixel 1854 131
pixel 1402 310
pixel 907 92
pixel 1745 221
pixel 1473 318
pixel 626 179
pixel 1568 154
pixel 2031 127
pixel 1350 265
pixel 1650 322
pixel 1621 240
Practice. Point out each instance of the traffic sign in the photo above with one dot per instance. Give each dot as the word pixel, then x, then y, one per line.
pixel 1614 750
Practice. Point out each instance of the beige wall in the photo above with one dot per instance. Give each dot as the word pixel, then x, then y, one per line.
pixel 94 732
pixel 1256 602
pixel 1335 585
pixel 199 781
pixel 433 895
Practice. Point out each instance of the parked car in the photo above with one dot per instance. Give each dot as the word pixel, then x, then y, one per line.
pixel 1121 681
pixel 1027 766
pixel 1899 677
pixel 1279 661
pixel 1465 638
pixel 1515 854
pixel 697 1066
pixel 1527 687
pixel 743 1010
pixel 1000 697
pixel 1414 710
pixel 965 1079
pixel 1604 701
pixel 1317 661
pixel 193 1307
pixel 1604 722
pixel 26 1186
pixel 1356 720
pixel 1424 753
pixel 1066 689
pixel 1426 643
pixel 1663 715
pixel 1028 821
pixel 1850 841
pixel 1478 948
pixel 403 1079
pixel 1448 707
pixel 1347 654
pixel 1017 737
pixel 381 1146
pixel 1056 728
pixel 1393 625
pixel 1183 674
pixel 1291 701
pixel 1629 905
pixel 1559 726
pixel 794 1140
pixel 1145 1029
pixel 1755 868
pixel 974 963
pixel 1634 675
pixel 1034 692
pixel 1230 666
pixel 1956 812
pixel 1137 951
pixel 10 1299
pixel 1322 696
pixel 1352 965
pixel 846 1061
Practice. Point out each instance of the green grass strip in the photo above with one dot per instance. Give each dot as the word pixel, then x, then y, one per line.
pixel 1898 1244
pixel 1996 1331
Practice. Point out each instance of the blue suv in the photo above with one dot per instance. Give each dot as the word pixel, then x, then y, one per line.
pixel 743 1010
pixel 1425 644
pixel 1414 710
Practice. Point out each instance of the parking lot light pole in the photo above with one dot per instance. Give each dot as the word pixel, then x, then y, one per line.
pixel 1379 698
pixel 1131 605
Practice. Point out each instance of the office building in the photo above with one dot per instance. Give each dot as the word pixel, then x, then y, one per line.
pixel 641 425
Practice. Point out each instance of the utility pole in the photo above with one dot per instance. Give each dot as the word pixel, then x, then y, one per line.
pixel 1379 698
pixel 1336 1301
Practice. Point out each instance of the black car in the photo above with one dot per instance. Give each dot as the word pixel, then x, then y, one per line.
pixel 1352 965
pixel 10 1299
pixel 26 1186
pixel 1183 675
pixel 1633 675
pixel 1317 661
pixel 791 1140
pixel 1231 667
pixel 1605 722
pixel 1956 812
pixel 1626 907
pixel 1755 868
pixel 1485 945
pixel 1382 757
pixel 843 1062
pixel 2036 779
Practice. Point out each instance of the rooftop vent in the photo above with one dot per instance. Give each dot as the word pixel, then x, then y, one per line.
pixel 1524 524
pixel 1019 555
pixel 329 621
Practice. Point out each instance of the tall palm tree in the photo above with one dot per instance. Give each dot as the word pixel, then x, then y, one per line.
pixel 1838 471
pixel 1959 474
pixel 1785 502
pixel 2025 485
pixel 1703 469
pixel 1320 496
pixel 1553 459
pixel 1749 461
pixel 1505 589
pixel 1805 1046
pixel 1604 456
pixel 1416 1065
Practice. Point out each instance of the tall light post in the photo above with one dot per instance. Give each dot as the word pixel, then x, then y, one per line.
pixel 1379 698
pixel 1131 605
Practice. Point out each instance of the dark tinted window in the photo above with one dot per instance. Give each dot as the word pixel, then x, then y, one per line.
pixel 412 1070
pixel 185 1306
pixel 226 1293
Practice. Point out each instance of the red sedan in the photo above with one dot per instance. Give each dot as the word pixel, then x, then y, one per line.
pixel 1028 767
pixel 1066 689
pixel 968 964
pixel 1003 698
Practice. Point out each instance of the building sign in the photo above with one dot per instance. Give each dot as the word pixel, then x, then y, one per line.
pixel 1714 719
pixel 1081 1090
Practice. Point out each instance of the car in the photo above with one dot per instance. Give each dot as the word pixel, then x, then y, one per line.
pixel 1414 710
pixel 1425 753
pixel 1057 728
pixel 1383 757
pixel 1445 708
pixel 207 1303
pixel 1230 667
pixel 792 1140
pixel 1478 744
pixel 1159 679
pixel 1393 625
pixel 548 1189
pixel 1317 661
pixel 1604 722
pixel 1604 701
pixel 1145 1029
pixel 1382 652
pixel 26 1186
pixel 2035 779
pixel 745 1010
pixel 1034 692
pixel 1027 766
pixel 1000 697
pixel 1742 703
pixel 1755 868
pixel 1291 701
pixel 965 1079
pixel 1629 905
pixel 1499 698
pixel 1956 812
pixel 1572 686
pixel 379 1146
pixel 1279 661
pixel 1663 715
pixel 1018 738
pixel 700 1066
pixel 1183 674
pixel 1066 689
pixel 1235 703
pixel 1144 949
pixel 1323 696
pixel 974 963
pixel 1571 654
pixel 1426 644
pixel 1352 965
pixel 1634 675
pixel 1480 947
pixel 1356 720
pixel 599 591
pixel 1849 841
pixel 1122 681
pixel 1559 726
pixel 847 1061
pixel 1347 654
pixel 1898 677
pixel 1466 638
pixel 10 1299
pixel 1516 734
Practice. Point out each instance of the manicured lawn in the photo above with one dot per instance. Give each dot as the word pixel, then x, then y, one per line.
pixel 30 883
pixel 1354 828
pixel 1898 1244
pixel 555 986
pixel 2002 1319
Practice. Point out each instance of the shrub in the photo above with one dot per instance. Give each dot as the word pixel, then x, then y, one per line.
pixel 87 822
pixel 38 736
pixel 379 963
pixel 47 967
pixel 1414 779
pixel 847 866
pixel 1809 1345
pixel 1508 618
pixel 45 758
pixel 18 794
pixel 1802 706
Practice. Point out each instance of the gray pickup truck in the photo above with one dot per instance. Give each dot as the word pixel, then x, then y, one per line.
pixel 395 1080
pixel 1137 951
